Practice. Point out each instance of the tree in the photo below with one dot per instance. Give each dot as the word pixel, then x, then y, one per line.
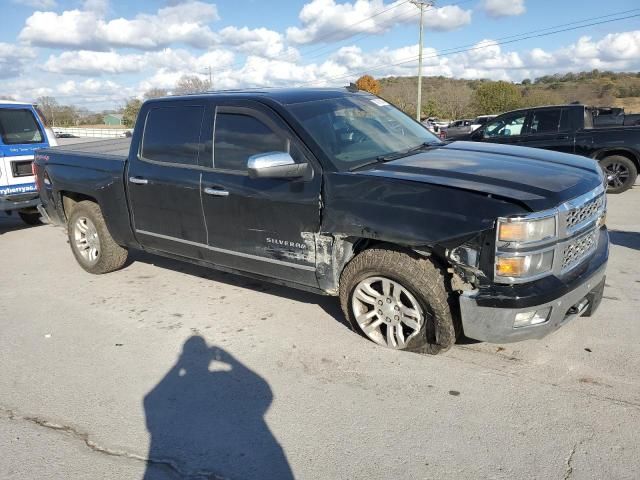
pixel 130 113
pixel 368 84
pixel 496 97
pixel 48 107
pixel 526 81
pixel 155 93
pixel 191 84
pixel 453 101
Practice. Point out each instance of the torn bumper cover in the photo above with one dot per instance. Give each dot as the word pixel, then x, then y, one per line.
pixel 493 314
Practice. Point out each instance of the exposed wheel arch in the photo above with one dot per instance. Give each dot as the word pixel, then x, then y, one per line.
pixel 70 199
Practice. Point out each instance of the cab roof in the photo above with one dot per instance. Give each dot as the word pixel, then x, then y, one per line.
pixel 285 96
pixel 13 102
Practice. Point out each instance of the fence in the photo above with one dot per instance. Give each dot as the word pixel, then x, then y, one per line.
pixel 93 132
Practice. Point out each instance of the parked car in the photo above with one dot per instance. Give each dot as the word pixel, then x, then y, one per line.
pixel 569 128
pixel 22 131
pixel 337 192
pixel 611 116
pixel 458 128
pixel 480 121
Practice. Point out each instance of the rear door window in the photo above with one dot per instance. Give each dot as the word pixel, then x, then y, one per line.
pixel 19 126
pixel 545 121
pixel 506 125
pixel 238 136
pixel 172 134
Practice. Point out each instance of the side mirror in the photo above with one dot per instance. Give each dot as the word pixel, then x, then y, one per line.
pixel 275 165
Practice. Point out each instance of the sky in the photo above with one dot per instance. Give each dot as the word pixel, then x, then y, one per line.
pixel 99 53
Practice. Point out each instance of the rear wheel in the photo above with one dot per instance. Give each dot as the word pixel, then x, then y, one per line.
pixel 620 171
pixel 30 218
pixel 91 243
pixel 397 300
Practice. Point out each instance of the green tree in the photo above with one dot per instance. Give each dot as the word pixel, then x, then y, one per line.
pixel 496 97
pixel 130 113
pixel 526 81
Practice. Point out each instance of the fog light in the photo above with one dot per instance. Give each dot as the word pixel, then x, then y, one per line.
pixel 534 317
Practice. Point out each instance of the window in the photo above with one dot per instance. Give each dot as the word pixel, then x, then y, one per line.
pixel 546 121
pixel 506 126
pixel 172 134
pixel 18 126
pixel 356 130
pixel 238 136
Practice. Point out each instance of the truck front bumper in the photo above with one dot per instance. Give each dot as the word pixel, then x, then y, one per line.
pixel 489 315
pixel 19 201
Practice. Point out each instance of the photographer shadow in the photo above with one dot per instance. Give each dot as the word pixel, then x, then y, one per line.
pixel 206 420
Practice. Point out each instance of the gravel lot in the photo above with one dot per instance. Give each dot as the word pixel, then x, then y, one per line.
pixel 174 371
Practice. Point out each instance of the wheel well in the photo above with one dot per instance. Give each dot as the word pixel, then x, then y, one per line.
pixel 69 200
pixel 623 153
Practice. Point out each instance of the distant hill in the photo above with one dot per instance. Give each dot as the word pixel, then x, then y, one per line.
pixel 453 98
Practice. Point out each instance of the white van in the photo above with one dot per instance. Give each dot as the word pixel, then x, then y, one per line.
pixel 22 131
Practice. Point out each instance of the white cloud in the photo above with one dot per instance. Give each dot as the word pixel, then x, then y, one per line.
pixel 328 21
pixel 185 23
pixel 13 59
pixel 83 62
pixel 38 4
pixel 504 8
pixel 259 41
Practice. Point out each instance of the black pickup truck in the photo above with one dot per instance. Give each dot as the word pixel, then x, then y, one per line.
pixel 340 193
pixel 570 129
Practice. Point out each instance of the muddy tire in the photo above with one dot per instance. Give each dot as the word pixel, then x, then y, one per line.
pixel 90 240
pixel 30 218
pixel 620 171
pixel 399 300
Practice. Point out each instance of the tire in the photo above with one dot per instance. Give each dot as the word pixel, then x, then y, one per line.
pixel 621 172
pixel 418 280
pixel 30 218
pixel 91 243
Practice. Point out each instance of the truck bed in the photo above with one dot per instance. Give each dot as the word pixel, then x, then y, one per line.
pixel 117 148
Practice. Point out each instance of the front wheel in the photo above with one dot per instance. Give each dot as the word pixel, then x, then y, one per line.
pixel 91 243
pixel 620 171
pixel 398 300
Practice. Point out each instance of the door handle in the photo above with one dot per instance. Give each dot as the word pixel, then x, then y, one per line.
pixel 216 192
pixel 138 180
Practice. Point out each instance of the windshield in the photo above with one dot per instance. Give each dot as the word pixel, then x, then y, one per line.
pixel 359 129
pixel 19 126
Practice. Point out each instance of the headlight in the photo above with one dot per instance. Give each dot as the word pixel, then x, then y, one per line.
pixel 526 231
pixel 525 247
pixel 522 266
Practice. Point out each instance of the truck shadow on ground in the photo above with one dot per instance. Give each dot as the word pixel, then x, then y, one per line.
pixel 330 305
pixel 206 420
pixel 625 239
pixel 12 223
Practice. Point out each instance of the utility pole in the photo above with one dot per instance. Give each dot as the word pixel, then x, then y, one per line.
pixel 421 4
pixel 208 68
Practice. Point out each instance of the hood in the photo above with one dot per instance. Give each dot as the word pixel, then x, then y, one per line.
pixel 539 179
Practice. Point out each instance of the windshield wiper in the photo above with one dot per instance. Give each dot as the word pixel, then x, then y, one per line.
pixel 395 155
pixel 405 153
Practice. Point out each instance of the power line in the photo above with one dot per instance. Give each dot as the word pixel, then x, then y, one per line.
pixel 353 39
pixel 523 36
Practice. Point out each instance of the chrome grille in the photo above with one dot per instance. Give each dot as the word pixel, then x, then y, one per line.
pixel 584 213
pixel 577 250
